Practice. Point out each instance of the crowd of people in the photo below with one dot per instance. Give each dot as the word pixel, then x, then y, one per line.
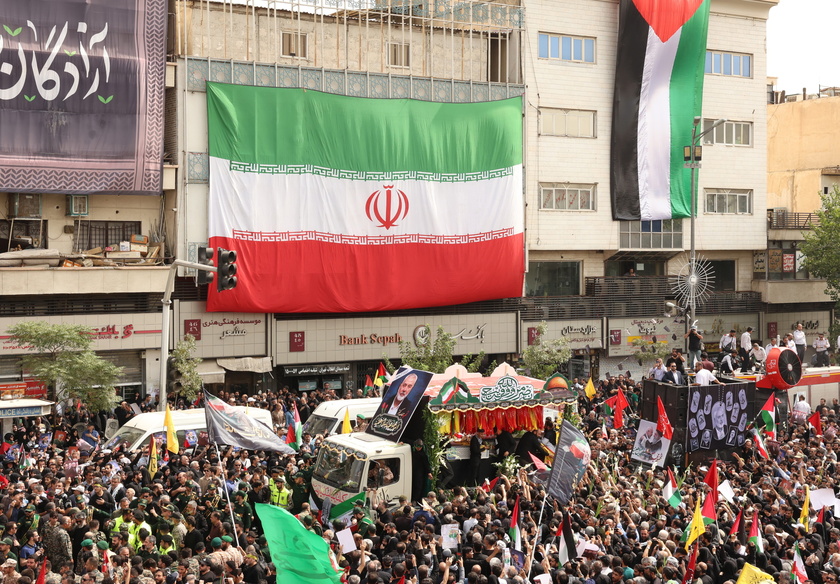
pixel 73 515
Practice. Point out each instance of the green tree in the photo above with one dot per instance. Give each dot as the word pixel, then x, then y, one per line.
pixel 822 246
pixel 430 355
pixel 63 359
pixel 544 357
pixel 187 366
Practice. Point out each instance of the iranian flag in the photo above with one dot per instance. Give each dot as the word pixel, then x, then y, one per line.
pixel 319 192
pixel 798 567
pixel 658 92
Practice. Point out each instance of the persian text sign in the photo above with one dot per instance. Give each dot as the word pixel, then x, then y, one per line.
pixel 506 389
pixel 81 96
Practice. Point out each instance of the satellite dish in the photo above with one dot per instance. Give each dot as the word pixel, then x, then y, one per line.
pixel 784 370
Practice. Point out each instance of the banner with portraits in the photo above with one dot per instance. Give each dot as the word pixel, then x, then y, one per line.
pixel 651 447
pixel 717 416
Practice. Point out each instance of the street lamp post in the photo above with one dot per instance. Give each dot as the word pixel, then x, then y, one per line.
pixel 692 155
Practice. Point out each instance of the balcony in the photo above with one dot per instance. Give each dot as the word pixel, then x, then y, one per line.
pixel 782 219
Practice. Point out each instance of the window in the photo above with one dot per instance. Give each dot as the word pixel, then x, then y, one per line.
pixel 729 201
pixel 91 234
pixel 729 133
pixel 398 54
pixel 294 45
pixel 28 233
pixel 567 122
pixel 383 472
pixel 566 48
pixel 662 234
pixel 553 279
pixel 732 64
pixel 567 197
pixel 723 275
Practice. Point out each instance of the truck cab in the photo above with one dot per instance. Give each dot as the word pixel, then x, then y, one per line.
pixel 348 464
pixel 329 415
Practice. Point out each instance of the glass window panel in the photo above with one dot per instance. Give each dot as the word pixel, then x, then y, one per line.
pixel 589 50
pixel 717 62
pixel 585 199
pixel 720 204
pixel 667 240
pixel 635 240
pixel 748 134
pixel 732 203
pixel 559 198
pixel 710 203
pixel 743 204
pixel 729 130
pixel 547 199
pixel 708 61
pixel 656 226
pixel 719 139
pixel 747 65
pixel 555 47
pixel 646 240
pixel 677 240
pixel 544 46
pixel 727 64
pixel 578 49
pixel 656 240
pixel 736 65
pixel 567 49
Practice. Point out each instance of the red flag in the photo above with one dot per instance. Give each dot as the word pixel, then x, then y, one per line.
pixel 821 516
pixel 692 564
pixel 663 425
pixel 709 511
pixel 736 525
pixel 42 573
pixel 402 580
pixel 291 437
pixel 618 402
pixel 816 422
pixel 489 486
pixel 712 480
pixel 538 464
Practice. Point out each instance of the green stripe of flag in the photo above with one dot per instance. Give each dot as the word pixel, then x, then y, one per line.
pixel 266 125
pixel 687 79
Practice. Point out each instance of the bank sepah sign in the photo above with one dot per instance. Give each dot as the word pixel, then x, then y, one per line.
pixel 353 339
pixel 663 330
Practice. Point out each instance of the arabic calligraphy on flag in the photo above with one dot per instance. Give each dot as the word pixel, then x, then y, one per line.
pixel 234 427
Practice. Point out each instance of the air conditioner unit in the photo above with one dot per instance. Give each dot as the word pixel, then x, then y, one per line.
pixel 24 206
pixel 77 205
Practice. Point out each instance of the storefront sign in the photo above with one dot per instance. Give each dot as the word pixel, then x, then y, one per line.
pixel 112 332
pixel 788 262
pixel 772 329
pixel 581 334
pixel 32 389
pixel 222 334
pixel 298 370
pixel 629 335
pixel 358 339
pixel 297 341
pixel 760 262
pixel 812 322
pixel 22 412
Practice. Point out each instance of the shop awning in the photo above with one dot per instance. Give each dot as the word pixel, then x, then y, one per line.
pixel 211 372
pixel 252 364
pixel 24 408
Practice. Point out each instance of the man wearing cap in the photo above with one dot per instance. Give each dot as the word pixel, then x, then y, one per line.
pixel 6 550
pixel 232 552
pixel 10 573
pixel 30 521
pixel 138 522
pixel 85 550
pixel 279 493
pixel 300 492
pixel 217 556
pixel 242 510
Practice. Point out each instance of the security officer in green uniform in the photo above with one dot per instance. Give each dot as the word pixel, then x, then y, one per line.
pixel 279 494
pixel 31 520
pixel 209 502
pixel 300 492
pixel 242 510
pixel 185 496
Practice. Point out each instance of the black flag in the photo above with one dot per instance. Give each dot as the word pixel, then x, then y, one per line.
pixel 232 426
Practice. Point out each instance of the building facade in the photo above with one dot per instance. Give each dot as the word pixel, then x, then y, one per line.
pixel 561 57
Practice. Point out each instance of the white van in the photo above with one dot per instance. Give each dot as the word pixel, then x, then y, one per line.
pixel 189 424
pixel 329 415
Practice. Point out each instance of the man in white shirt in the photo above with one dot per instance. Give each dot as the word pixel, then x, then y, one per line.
pixel 657 371
pixel 801 410
pixel 800 341
pixel 821 346
pixel 774 344
pixel 744 350
pixel 728 342
pixel 703 376
pixel 757 356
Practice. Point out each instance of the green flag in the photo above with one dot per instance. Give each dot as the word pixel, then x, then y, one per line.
pixel 342 511
pixel 300 556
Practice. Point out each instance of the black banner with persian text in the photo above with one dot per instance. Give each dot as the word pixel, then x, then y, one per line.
pixel 82 96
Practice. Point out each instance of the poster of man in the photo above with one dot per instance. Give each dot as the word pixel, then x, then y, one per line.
pixel 651 447
pixel 399 402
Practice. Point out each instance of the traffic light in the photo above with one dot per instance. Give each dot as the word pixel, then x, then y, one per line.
pixel 226 274
pixel 173 377
pixel 205 256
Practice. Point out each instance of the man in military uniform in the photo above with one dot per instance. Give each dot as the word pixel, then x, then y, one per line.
pixel 209 502
pixel 57 544
pixel 138 523
pixel 300 492
pixel 31 520
pixel 242 510
pixel 185 495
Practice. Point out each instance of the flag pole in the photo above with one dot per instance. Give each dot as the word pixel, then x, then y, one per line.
pixel 539 523
pixel 227 496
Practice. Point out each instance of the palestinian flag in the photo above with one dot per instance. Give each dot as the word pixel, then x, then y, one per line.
pixel 768 416
pixel 798 567
pixel 368 385
pixel 658 92
pixel 313 189
pixel 381 376
pixel 712 480
pixel 760 446
pixel 671 491
pixel 736 525
pixel 755 534
pixel 709 510
pixel 515 534
pixel 566 546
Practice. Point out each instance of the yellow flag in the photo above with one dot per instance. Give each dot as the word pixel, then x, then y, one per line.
pixel 589 389
pixel 806 508
pixel 696 528
pixel 752 575
pixel 456 423
pixel 171 436
pixel 153 465
pixel 345 427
